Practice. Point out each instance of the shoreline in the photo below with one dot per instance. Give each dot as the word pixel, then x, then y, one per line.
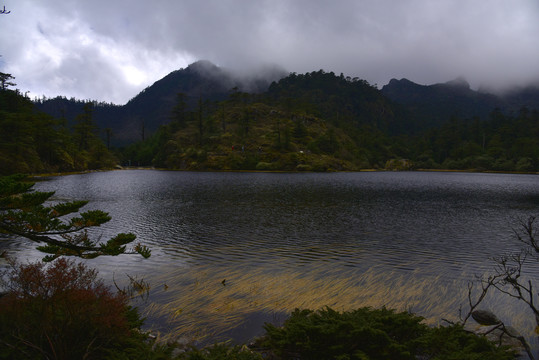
pixel 44 175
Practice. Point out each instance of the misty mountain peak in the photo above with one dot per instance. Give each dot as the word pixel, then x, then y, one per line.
pixel 207 69
pixel 402 81
pixel 460 82
pixel 250 79
pixel 203 64
pixel 399 84
pixel 402 90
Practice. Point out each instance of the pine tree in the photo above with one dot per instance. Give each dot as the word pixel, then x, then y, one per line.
pixel 23 212
pixel 5 81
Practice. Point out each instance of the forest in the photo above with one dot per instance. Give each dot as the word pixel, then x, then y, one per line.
pixel 317 121
pixel 35 142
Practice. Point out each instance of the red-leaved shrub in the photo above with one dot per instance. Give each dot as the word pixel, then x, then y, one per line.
pixel 60 311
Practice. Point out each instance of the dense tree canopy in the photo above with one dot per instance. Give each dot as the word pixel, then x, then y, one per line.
pixel 320 121
pixel 315 122
pixel 32 141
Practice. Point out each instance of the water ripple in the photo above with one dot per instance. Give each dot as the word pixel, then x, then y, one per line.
pixel 331 230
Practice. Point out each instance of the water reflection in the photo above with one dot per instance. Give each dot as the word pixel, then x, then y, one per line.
pixel 287 240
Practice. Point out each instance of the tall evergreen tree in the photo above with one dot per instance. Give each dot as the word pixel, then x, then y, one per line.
pixel 5 81
pixel 85 128
pixel 179 112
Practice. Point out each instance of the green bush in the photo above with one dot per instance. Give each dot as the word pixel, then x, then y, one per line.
pixel 265 166
pixel 524 165
pixel 454 343
pixel 503 164
pixel 482 162
pixel 451 164
pixel 371 334
pixel 427 163
pixel 304 167
pixel 221 352
pixel 358 334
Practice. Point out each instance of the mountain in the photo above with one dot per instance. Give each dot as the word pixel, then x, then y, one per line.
pixel 433 105
pixel 400 107
pixel 315 121
pixel 517 98
pixel 343 101
pixel 152 107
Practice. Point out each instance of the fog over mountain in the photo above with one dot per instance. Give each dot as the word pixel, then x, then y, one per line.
pixel 111 50
pixel 152 106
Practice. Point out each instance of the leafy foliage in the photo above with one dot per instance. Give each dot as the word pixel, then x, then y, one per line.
pixel 24 213
pixel 221 352
pixel 453 342
pixel 501 143
pixel 5 81
pixel 371 334
pixel 62 311
pixel 358 334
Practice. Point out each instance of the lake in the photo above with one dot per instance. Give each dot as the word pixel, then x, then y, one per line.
pixel 231 251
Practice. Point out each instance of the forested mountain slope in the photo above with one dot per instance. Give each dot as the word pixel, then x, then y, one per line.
pixel 32 141
pixel 321 121
pixel 434 105
pixel 152 107
pixel 205 118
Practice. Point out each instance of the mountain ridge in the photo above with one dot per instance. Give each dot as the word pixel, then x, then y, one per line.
pixel 151 108
pixel 437 103
pixel 317 121
pixel 426 105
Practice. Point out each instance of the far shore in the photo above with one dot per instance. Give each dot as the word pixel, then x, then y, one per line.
pixel 120 168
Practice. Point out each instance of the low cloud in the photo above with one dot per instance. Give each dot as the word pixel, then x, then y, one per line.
pixel 111 50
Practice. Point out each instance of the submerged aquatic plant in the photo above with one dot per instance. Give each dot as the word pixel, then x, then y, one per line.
pixel 197 305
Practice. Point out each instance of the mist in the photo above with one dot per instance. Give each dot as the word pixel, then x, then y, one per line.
pixel 110 51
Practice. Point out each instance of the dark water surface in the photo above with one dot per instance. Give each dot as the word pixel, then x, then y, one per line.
pixel 409 240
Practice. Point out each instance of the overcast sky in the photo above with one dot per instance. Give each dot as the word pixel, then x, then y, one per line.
pixel 111 50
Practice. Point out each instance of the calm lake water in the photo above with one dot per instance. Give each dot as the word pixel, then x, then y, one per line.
pixel 233 250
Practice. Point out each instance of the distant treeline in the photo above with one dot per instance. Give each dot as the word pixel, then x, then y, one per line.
pixel 34 142
pixel 320 121
pixel 317 121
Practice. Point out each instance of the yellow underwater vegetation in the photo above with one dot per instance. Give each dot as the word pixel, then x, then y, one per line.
pixel 202 302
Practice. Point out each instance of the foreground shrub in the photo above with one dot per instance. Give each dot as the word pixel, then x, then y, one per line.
pixel 454 343
pixel 358 334
pixel 62 311
pixel 371 334
pixel 221 352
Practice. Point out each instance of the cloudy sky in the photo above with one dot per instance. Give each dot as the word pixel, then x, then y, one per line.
pixel 110 50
